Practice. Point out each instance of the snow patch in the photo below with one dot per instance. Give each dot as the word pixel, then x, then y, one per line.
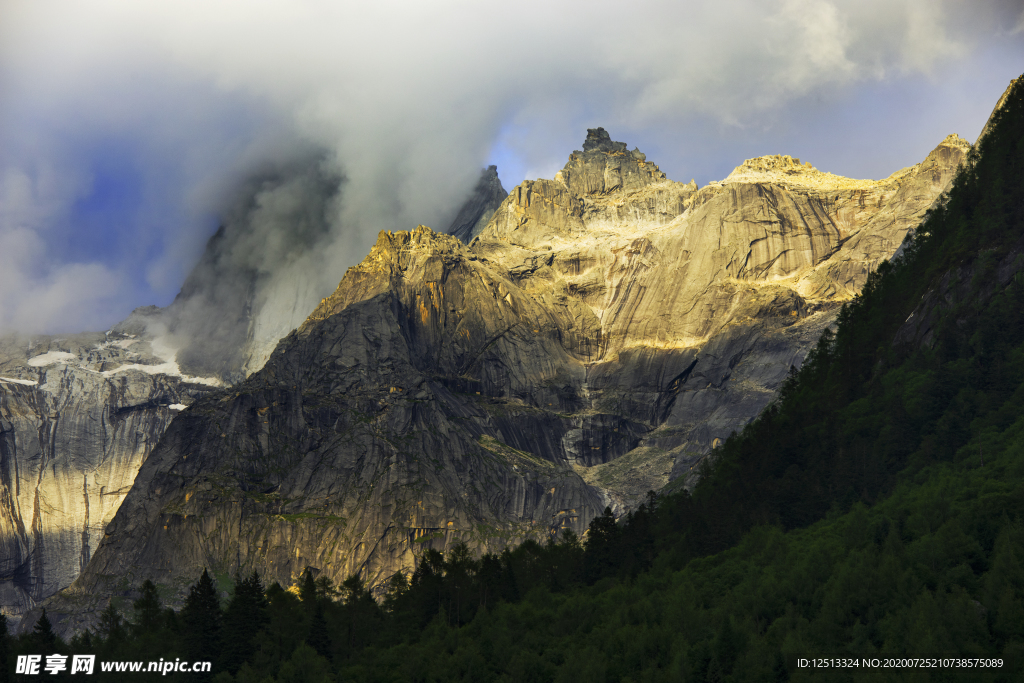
pixel 177 406
pixel 168 367
pixel 26 382
pixel 51 357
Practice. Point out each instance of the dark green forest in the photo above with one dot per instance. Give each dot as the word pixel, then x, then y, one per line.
pixel 875 508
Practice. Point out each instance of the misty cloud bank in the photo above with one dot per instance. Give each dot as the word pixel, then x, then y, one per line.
pixel 220 104
pixel 261 272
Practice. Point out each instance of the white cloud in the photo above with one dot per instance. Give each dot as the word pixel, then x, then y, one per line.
pixel 1019 28
pixel 408 97
pixel 39 297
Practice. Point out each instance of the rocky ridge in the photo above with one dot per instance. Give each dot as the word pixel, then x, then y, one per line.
pixel 594 341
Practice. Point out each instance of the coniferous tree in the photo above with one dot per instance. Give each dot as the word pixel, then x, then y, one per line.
pixel 82 642
pixel 149 632
pixel 43 634
pixel 325 589
pixel 245 615
pixel 355 596
pixel 148 610
pixel 601 556
pixel 318 637
pixel 201 621
pixel 307 591
pixel 112 628
pixel 398 584
pixel 5 651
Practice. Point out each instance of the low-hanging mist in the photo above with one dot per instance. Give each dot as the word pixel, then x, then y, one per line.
pixel 266 266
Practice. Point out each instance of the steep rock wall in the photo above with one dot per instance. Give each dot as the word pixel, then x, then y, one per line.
pixel 78 417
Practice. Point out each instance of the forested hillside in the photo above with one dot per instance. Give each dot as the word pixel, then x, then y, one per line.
pixel 875 508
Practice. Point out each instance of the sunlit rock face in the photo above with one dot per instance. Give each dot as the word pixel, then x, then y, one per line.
pixel 696 303
pixel 595 340
pixel 78 416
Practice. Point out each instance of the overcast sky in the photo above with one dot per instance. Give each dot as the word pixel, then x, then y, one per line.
pixel 126 126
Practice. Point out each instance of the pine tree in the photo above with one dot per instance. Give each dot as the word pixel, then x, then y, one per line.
pixel 246 614
pixel 5 651
pixel 307 591
pixel 318 638
pixel 43 634
pixel 398 584
pixel 82 642
pixel 201 619
pixel 148 611
pixel 352 590
pixel 602 537
pixel 112 626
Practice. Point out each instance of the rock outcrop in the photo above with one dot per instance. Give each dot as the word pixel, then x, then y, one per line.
pixel 78 417
pixel 486 197
pixel 595 340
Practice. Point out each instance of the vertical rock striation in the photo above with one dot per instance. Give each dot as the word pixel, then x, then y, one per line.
pixel 78 416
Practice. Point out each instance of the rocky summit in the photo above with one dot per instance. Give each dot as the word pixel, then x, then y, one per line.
pixel 593 341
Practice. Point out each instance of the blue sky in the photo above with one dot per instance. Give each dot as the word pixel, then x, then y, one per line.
pixel 126 128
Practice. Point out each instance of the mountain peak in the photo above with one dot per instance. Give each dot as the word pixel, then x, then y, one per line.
pixel 599 140
pixel 772 163
pixel 784 169
pixel 606 166
pixel 999 105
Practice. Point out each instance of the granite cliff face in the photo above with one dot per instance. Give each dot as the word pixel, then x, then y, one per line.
pixel 697 302
pixel 78 416
pixel 592 342
pixel 76 425
pixel 363 439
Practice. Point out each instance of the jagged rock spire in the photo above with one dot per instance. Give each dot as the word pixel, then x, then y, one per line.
pixel 598 139
pixel 479 207
pixel 605 166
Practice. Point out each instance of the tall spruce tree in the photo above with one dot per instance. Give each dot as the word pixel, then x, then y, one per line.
pixel 5 651
pixel 318 638
pixel 246 614
pixel 602 536
pixel 307 591
pixel 43 635
pixel 201 621
pixel 148 610
pixel 112 627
